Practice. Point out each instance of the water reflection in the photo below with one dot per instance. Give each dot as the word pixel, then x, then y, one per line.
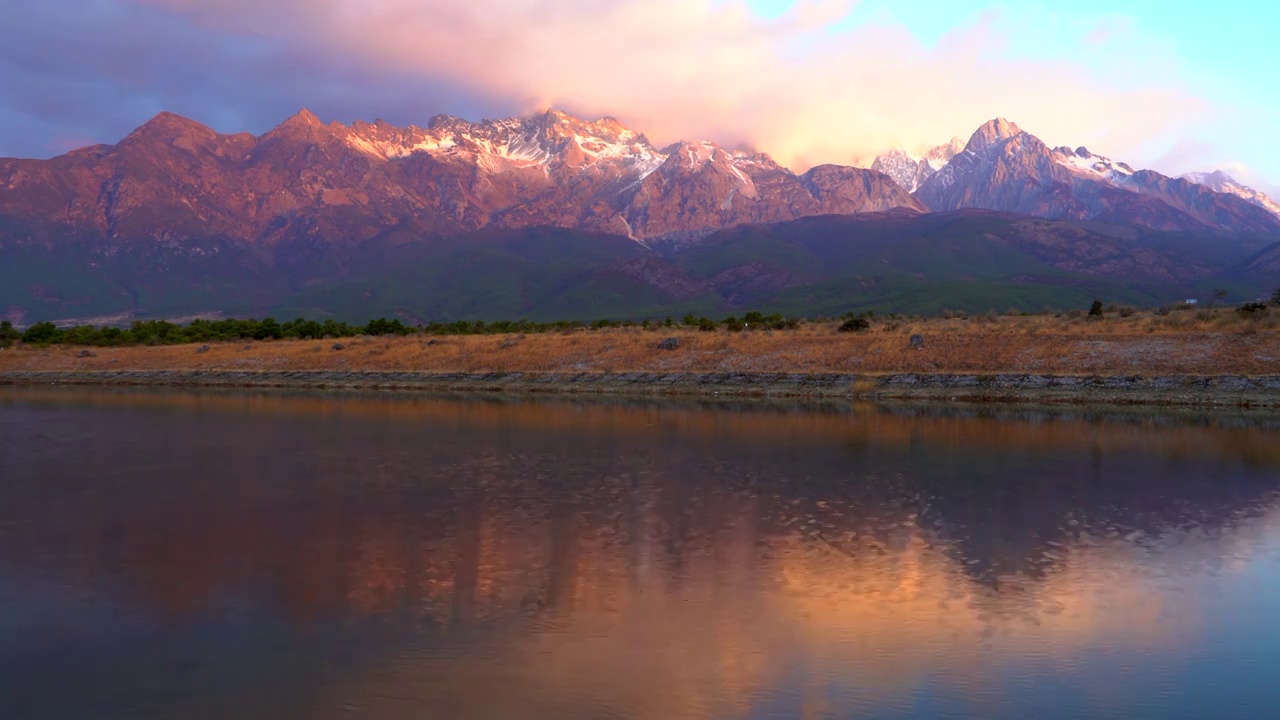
pixel 320 556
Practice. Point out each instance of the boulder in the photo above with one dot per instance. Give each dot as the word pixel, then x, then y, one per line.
pixel 917 342
pixel 671 343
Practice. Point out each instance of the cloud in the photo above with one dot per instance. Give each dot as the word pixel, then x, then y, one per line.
pixel 790 85
pixel 99 68
pixel 807 86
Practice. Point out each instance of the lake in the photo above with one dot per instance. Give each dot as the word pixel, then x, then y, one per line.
pixel 223 555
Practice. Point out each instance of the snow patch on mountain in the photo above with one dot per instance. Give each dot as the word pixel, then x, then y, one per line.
pixel 909 170
pixel 1083 162
pixel 553 139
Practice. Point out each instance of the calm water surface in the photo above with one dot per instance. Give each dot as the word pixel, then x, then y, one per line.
pixel 257 556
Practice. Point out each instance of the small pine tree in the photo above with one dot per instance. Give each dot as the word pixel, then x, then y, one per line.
pixel 1095 310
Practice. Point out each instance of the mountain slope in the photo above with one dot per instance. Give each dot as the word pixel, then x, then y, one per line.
pixel 894 261
pixel 970 260
pixel 1006 169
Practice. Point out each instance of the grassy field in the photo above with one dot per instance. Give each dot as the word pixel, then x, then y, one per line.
pixel 1203 342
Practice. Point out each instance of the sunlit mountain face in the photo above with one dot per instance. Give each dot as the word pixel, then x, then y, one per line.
pixel 551 217
pixel 673 561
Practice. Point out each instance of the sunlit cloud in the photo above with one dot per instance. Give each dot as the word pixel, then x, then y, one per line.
pixel 790 85
pixel 809 84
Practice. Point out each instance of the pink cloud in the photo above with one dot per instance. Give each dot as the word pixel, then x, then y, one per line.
pixel 684 69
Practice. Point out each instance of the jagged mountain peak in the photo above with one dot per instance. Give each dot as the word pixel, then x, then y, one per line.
pixel 169 126
pixel 302 117
pixel 910 170
pixel 1222 182
pixel 1006 169
pixel 992 132
pixel 1081 160
pixel 551 139
pixel 304 126
pixel 1207 178
pixel 445 121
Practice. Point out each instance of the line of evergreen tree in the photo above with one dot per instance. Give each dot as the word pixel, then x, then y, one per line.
pixel 163 332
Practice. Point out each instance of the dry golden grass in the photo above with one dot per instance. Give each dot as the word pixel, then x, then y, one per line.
pixel 1203 342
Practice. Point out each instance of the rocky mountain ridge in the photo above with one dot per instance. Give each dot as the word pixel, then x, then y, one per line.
pixel 174 179
pixel 1006 169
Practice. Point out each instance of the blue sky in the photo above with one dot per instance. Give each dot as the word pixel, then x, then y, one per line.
pixel 1226 52
pixel 1171 86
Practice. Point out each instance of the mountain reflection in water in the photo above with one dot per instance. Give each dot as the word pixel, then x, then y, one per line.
pixel 318 556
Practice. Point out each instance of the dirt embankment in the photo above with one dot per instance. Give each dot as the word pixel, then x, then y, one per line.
pixel 1183 390
pixel 1216 361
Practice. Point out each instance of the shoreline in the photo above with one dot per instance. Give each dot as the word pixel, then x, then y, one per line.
pixel 1159 390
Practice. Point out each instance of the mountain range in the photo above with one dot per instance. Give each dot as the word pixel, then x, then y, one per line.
pixel 552 215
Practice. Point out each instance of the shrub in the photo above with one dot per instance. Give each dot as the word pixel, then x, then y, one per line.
pixel 382 326
pixel 1275 297
pixel 1127 311
pixel 1095 310
pixel 8 334
pixel 42 334
pixel 1253 309
pixel 855 324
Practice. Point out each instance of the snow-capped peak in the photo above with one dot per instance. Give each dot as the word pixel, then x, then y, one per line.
pixel 550 139
pixel 938 157
pixel 1084 162
pixel 702 156
pixel 909 170
pixel 1219 181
